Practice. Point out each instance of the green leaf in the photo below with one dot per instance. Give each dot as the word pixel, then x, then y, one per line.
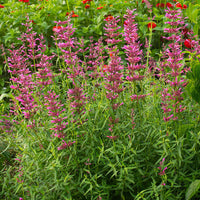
pixel 192 189
pixel 5 95
pixel 196 71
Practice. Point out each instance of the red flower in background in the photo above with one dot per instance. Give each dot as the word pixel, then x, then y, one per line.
pixel 105 68
pixel 109 18
pixel 187 43
pixel 1 6
pixel 178 5
pixel 87 6
pixel 184 6
pixel 25 1
pixel 67 14
pixel 169 5
pixel 125 23
pixel 85 1
pixel 151 25
pixel 162 5
pixel 56 28
pixel 31 21
pixel 74 15
pixel 99 8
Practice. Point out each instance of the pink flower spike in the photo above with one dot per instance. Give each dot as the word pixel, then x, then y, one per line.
pixel 18 159
pixel 112 137
pixel 65 145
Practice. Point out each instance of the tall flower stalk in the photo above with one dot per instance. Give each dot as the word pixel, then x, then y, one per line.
pixel 134 54
pixel 173 67
pixel 73 69
pixel 114 74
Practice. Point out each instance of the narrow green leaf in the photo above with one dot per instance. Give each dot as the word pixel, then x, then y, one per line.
pixel 192 189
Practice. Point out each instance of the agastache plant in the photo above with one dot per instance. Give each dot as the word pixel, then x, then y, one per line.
pixel 31 88
pixel 54 107
pixel 96 58
pixel 133 53
pixel 74 71
pixel 114 75
pixel 162 171
pixel 23 84
pixel 55 111
pixel 172 95
pixel 29 68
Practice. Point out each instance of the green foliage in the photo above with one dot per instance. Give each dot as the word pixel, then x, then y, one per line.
pixel 95 166
pixel 194 81
pixel 192 189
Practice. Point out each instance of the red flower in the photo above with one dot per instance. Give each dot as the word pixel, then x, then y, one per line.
pixel 109 18
pixel 87 6
pixel 74 15
pixel 184 6
pixel 1 6
pixel 178 5
pixel 187 43
pixel 69 13
pixel 151 25
pixel 85 1
pixel 99 8
pixel 169 5
pixel 162 5
pixel 25 1
pixel 125 23
pixel 56 28
pixel 31 21
pixel 104 69
pixel 142 1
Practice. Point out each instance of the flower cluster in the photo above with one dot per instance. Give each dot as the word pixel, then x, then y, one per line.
pixel 96 58
pixel 162 170
pixel 172 96
pixel 22 83
pixel 5 123
pixel 85 1
pixel 114 77
pixel 72 14
pixel 151 25
pixel 162 5
pixel 53 106
pixel 178 5
pixel 74 71
pixel 25 1
pixel 99 8
pixel 133 52
pixel 65 145
pixel 114 74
